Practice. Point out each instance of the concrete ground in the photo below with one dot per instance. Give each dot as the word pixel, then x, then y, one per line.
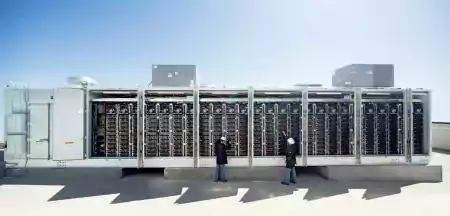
pixel 87 192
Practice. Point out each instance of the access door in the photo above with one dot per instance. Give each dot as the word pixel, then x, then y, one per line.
pixel 68 125
pixel 39 131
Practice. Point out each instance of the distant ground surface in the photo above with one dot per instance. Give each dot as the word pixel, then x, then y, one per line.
pixel 57 192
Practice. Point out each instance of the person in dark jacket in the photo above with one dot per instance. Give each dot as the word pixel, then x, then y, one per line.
pixel 221 147
pixel 289 174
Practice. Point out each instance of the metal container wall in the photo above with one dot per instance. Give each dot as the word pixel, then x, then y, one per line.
pixel 336 126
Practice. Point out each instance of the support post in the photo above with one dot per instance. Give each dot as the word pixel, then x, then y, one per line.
pixel 408 123
pixel 250 137
pixel 196 123
pixel 87 124
pixel 140 127
pixel 357 125
pixel 305 126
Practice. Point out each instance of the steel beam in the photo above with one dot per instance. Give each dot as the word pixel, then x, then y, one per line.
pixel 196 123
pixel 305 126
pixel 250 111
pixel 357 125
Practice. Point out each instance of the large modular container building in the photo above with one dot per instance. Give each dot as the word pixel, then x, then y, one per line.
pixel 177 126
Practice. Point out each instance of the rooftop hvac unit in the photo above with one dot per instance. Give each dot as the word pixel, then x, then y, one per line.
pixel 174 75
pixel 364 75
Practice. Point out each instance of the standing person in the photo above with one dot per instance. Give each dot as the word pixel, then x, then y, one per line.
pixel 221 147
pixel 290 176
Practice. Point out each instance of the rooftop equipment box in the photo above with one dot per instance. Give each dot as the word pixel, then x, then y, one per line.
pixel 364 75
pixel 174 75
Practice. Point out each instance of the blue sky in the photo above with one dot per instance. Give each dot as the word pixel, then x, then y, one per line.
pixel 235 42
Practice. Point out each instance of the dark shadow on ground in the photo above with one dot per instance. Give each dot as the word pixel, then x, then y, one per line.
pixel 207 191
pixel 376 190
pixel 81 183
pixel 266 190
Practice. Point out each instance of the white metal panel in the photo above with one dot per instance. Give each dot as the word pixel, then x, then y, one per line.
pixel 39 131
pixel 232 162
pixel 16 147
pixel 68 124
pixel 275 161
pixel 168 162
pixel 377 160
pixel 271 161
pixel 15 120
pixel 16 124
pixel 40 96
pixel 16 100
pixel 333 160
pixel 88 163
pixel 420 159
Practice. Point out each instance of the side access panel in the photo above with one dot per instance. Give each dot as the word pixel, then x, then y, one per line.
pixel 15 122
pixel 39 131
pixel 68 124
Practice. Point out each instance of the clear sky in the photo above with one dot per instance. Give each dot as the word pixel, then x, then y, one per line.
pixel 234 42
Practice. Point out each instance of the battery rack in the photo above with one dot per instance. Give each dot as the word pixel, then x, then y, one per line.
pixel 227 119
pixel 113 123
pixel 168 129
pixel 331 124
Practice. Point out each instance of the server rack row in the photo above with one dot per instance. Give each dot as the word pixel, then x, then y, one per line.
pixel 330 128
pixel 114 129
pixel 418 128
pixel 382 128
pixel 118 127
pixel 271 119
pixel 168 129
pixel 227 119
